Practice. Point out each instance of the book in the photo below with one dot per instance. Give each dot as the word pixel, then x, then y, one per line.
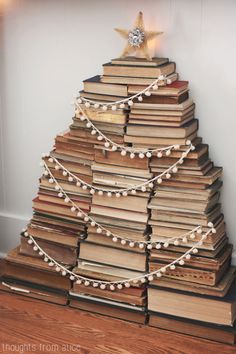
pixel 111 256
pixel 109 308
pixel 128 80
pixel 179 107
pixel 61 253
pixel 163 132
pixel 155 141
pixel 216 333
pixel 94 85
pixel 114 117
pixel 32 290
pixel 33 270
pixel 106 156
pixel 219 290
pixel 176 88
pixel 105 272
pixel 139 71
pixel 221 311
pixel 130 60
pixel 133 296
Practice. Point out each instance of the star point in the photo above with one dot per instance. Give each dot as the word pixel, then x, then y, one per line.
pixel 137 38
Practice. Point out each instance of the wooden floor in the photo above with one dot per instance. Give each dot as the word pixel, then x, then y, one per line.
pixel 32 326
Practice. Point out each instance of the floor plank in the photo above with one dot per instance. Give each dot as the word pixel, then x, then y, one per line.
pixel 32 326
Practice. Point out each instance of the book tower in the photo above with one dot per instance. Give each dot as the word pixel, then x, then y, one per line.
pixel 127 221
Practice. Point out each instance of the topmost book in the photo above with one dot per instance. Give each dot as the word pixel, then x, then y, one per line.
pixel 139 61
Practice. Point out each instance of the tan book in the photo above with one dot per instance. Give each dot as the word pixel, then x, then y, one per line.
pixel 105 272
pixel 114 117
pixel 121 170
pixel 128 80
pixel 163 132
pixel 196 261
pixel 53 234
pixel 61 253
pixel 109 308
pixel 139 71
pixel 159 123
pixel 131 60
pixel 111 256
pixel 94 85
pixel 131 203
pixel 174 89
pixel 121 295
pixel 137 217
pixel 185 205
pixel 153 142
pixel 219 290
pixel 34 270
pixel 162 106
pixel 187 218
pixel 106 156
pixel 196 307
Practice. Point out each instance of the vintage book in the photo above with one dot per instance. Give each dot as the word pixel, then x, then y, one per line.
pixel 134 120
pixel 94 85
pixel 107 307
pixel 131 60
pixel 167 99
pixel 214 332
pixel 139 218
pixel 186 217
pixel 103 240
pixel 104 155
pixel 84 135
pixel 61 253
pixel 219 290
pixel 163 132
pixel 138 71
pixel 174 89
pixel 100 97
pixel 56 209
pixel 221 311
pixel 122 170
pixel 128 80
pixel 132 203
pixel 194 275
pixel 111 256
pixel 31 290
pixel 134 296
pixel 54 233
pixel 185 205
pixel 33 270
pixel 105 272
pixel 109 128
pixel 153 142
pixel 52 220
pixel 180 107
pixel 114 117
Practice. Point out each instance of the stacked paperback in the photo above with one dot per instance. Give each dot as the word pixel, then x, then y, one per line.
pixel 127 221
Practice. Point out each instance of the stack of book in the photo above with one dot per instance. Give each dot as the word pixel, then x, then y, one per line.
pixel 185 198
pixel 56 229
pixel 127 195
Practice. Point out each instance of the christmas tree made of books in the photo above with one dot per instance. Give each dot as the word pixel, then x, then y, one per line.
pixel 127 220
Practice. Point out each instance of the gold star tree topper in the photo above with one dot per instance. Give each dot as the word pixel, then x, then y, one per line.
pixel 137 38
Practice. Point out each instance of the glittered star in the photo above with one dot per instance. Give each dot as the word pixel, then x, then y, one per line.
pixel 137 38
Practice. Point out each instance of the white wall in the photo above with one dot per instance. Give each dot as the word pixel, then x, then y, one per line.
pixel 49 47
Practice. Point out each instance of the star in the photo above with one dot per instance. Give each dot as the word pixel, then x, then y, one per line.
pixel 137 38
